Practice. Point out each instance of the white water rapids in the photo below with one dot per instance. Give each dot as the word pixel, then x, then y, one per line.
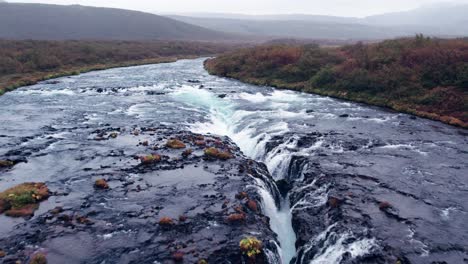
pixel 225 120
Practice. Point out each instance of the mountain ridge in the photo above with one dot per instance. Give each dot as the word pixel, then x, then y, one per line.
pixel 434 20
pixel 58 22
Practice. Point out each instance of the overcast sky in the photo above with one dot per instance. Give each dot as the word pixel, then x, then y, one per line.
pixel 322 7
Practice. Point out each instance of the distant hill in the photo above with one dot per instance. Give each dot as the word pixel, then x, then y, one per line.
pixel 445 20
pixel 295 28
pixel 439 19
pixel 56 22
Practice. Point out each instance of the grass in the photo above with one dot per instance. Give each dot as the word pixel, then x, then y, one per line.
pixel 420 76
pixel 13 81
pixel 26 62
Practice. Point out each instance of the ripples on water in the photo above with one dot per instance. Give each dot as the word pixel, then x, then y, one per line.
pixel 375 141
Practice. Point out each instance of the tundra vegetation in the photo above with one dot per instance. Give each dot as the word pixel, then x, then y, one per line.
pixel 421 76
pixel 22 200
pixel 25 62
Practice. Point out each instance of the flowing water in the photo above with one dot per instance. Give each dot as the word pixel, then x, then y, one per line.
pixel 291 132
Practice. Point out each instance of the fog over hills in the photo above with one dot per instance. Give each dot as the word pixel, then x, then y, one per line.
pixel 294 28
pixel 447 20
pixel 57 22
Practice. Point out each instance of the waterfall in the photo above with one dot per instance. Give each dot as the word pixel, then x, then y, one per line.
pixel 225 120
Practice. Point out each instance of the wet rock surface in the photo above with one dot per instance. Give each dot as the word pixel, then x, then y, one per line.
pixel 369 205
pixel 176 209
pixel 137 173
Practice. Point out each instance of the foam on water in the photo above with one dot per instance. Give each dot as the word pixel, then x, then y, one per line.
pixel 226 120
pixel 333 246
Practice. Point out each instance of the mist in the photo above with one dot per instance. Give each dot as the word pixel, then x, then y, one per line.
pixel 347 8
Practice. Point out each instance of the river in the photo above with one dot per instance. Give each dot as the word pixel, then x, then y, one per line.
pixel 335 161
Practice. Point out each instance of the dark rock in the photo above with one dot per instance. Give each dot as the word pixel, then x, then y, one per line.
pixel 284 187
pixel 176 210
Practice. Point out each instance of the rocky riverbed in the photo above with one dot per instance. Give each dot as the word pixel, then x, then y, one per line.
pixel 165 164
pixel 161 203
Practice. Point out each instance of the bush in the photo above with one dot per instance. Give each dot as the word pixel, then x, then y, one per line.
pixel 323 78
pixel 251 247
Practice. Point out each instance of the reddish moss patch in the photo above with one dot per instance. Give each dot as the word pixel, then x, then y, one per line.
pixel 200 143
pixel 166 221
pixel 101 184
pixel 178 256
pixel 334 202
pixel 252 205
pixel 236 218
pixel 150 159
pixel 2 254
pixel 38 258
pixel 217 154
pixel 22 200
pixel 242 195
pixel 175 144
pixel 26 210
pixel 187 153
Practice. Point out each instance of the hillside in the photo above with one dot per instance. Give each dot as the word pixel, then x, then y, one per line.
pixel 445 20
pixel 27 62
pixel 56 22
pixel 422 76
pixel 303 29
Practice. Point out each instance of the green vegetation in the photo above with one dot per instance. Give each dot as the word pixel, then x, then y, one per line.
pixel 150 159
pixel 28 62
pixel 23 199
pixel 422 76
pixel 251 247
pixel 38 258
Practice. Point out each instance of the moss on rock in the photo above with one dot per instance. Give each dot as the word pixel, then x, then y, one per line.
pixel 22 200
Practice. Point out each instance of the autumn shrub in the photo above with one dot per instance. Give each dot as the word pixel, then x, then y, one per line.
pixel 400 73
pixel 217 154
pixel 251 247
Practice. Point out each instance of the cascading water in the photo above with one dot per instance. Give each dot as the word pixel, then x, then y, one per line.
pixel 343 159
pixel 226 120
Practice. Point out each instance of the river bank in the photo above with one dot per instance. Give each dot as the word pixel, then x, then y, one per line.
pixel 422 76
pixel 26 62
pixel 324 180
pixel 11 82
